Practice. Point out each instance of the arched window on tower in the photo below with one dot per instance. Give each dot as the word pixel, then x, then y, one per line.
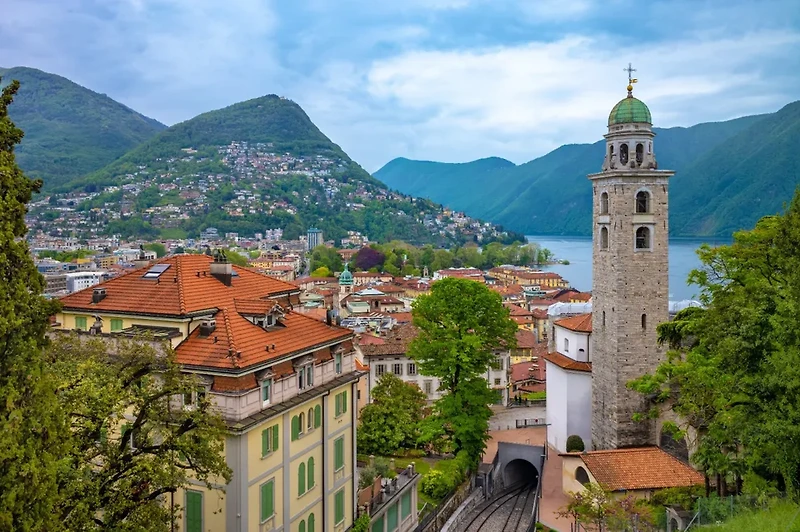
pixel 623 153
pixel 581 475
pixel 604 238
pixel 643 238
pixel 566 345
pixel 642 202
pixel 604 203
pixel 610 151
pixel 639 153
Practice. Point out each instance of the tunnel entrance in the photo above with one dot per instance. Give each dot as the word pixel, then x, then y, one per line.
pixel 519 471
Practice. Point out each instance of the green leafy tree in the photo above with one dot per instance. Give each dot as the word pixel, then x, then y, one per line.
pixel 328 257
pixel 133 441
pixel 33 431
pixel 462 324
pixel 236 258
pixel 733 369
pixel 158 247
pixel 392 420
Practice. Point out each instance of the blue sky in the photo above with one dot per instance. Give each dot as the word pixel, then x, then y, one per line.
pixel 447 80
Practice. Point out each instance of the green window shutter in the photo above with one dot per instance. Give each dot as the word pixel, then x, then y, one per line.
pixel 80 322
pixel 317 416
pixel 337 405
pixel 116 324
pixel 405 505
pixel 344 402
pixel 311 472
pixel 194 511
pixel 267 500
pixel 339 507
pixel 377 526
pixel 338 454
pixel 391 518
pixel 265 437
pixel 301 479
pixel 275 437
pixel 302 527
pixel 295 428
pixel 311 522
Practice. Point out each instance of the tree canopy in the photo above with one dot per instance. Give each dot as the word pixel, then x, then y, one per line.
pixel 733 368
pixel 391 421
pixel 462 325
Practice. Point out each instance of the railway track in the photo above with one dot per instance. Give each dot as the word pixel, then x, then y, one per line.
pixel 505 512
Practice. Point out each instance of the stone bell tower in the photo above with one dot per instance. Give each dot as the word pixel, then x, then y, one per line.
pixel 630 285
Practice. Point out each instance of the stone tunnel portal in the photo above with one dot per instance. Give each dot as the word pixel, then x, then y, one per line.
pixel 519 471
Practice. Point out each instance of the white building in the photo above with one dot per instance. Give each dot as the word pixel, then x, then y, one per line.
pixel 387 354
pixel 569 381
pixel 77 281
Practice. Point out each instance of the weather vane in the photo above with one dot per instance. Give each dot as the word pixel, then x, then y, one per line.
pixel 631 80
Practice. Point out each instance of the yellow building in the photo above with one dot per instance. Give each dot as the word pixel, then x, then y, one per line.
pixel 284 383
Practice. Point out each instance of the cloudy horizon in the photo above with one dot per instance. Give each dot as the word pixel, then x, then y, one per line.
pixel 443 80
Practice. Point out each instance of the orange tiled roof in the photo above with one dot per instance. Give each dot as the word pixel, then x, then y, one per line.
pixel 234 384
pixel 396 342
pixel 516 310
pixel 565 362
pixel 638 468
pixel 525 339
pixel 186 286
pixel 253 307
pixel 580 323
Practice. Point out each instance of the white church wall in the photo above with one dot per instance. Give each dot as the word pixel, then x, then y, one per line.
pixel 579 406
pixel 557 386
pixel 572 344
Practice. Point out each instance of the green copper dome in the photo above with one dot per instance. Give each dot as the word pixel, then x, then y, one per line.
pixel 346 278
pixel 629 110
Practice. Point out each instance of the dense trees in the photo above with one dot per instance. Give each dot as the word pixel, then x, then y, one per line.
pixel 391 421
pixel 733 369
pixel 461 325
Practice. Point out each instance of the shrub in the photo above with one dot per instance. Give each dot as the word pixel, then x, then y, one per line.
pixel 366 477
pixel 436 484
pixel 361 524
pixel 575 444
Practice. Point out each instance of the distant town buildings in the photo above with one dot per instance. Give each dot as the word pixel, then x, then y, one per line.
pixel 314 238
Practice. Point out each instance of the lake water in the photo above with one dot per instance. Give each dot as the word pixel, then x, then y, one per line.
pixel 578 251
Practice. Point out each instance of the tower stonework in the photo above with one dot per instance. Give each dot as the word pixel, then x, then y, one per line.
pixel 630 285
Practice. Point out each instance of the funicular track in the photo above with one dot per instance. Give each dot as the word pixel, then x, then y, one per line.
pixel 505 512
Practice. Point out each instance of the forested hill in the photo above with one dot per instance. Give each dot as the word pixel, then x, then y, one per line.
pixel 70 130
pixel 252 166
pixel 728 175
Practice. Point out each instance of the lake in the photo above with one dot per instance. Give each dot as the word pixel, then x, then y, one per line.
pixel 578 251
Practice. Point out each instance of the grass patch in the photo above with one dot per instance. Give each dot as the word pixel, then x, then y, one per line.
pixel 778 517
pixel 173 233
pixel 535 396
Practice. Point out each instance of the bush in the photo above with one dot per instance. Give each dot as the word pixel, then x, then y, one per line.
pixel 446 476
pixel 575 444
pixel 361 524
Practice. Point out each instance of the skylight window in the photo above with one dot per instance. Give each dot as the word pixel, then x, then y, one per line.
pixel 155 271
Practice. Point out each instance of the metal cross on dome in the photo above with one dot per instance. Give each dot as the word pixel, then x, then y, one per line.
pixel 630 70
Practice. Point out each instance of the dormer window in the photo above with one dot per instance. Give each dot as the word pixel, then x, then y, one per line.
pixel 266 391
pixel 194 398
pixel 305 376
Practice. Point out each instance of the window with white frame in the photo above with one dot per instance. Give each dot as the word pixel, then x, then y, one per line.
pixel 193 398
pixel 411 369
pixel 305 376
pixel 380 369
pixel 397 369
pixel 266 391
pixel 337 361
pixel 427 387
pixel 566 345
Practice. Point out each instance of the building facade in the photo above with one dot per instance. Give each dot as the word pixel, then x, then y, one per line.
pixel 284 383
pixel 630 273
pixel 314 238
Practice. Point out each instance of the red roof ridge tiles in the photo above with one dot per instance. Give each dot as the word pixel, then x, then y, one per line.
pixel 564 362
pixel 229 332
pixel 178 275
pixel 579 323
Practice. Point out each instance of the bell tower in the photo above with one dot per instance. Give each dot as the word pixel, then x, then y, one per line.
pixel 630 285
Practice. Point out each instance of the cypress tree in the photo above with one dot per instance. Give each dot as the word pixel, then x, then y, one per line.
pixel 33 431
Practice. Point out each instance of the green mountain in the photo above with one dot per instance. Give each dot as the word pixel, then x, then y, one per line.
pixel 255 165
pixel 728 174
pixel 70 130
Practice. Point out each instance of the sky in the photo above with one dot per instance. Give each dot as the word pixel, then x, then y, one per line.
pixel 442 80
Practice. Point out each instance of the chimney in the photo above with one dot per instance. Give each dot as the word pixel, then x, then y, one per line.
pixel 207 327
pixel 221 268
pixel 329 317
pixel 141 261
pixel 98 294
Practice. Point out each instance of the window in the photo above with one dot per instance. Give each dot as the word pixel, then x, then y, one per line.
pixel 310 469
pixel 301 479
pixel 566 345
pixel 623 153
pixel 337 361
pixel 604 203
pixel 642 202
pixel 397 369
pixel 267 499
pixel 80 323
pixel 338 507
pixel 194 511
pixel 301 423
pixel 338 453
pixel 604 238
pixel 412 369
pixel 340 406
pixel 317 416
pixel 581 475
pixel 380 369
pixel 643 238
pixel 295 427
pixel 391 518
pixel 310 420
pixel 311 522
pixel 644 321
pixel 266 391
pixel 604 318
pixel 405 505
pixel 497 382
pixel 302 526
pixel 427 387
pixel 639 153
pixel 377 526
pixel 269 440
pixel 116 324
pixel 305 376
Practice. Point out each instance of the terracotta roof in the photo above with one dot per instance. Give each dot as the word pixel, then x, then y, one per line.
pixel 516 310
pixel 564 362
pixel 396 342
pixel 638 468
pixel 539 313
pixel 401 317
pixel 525 339
pixel 523 371
pixel 370 339
pixel 253 307
pixel 234 384
pixel 579 323
pixel 178 291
